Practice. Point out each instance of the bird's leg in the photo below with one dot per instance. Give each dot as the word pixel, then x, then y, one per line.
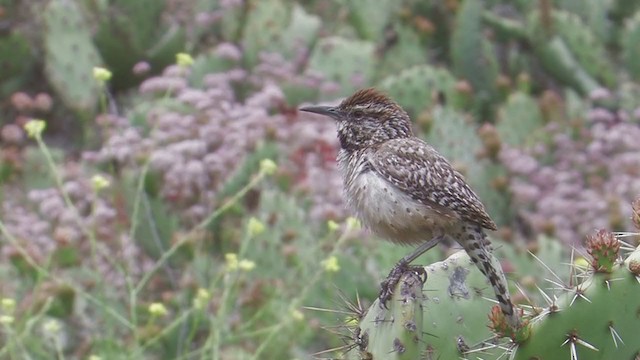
pixel 402 266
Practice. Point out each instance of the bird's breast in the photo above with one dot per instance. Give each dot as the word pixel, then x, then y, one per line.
pixel 386 210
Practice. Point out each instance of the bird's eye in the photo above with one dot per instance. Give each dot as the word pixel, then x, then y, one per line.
pixel 357 113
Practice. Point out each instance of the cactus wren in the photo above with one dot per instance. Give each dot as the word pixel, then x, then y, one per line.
pixel 403 190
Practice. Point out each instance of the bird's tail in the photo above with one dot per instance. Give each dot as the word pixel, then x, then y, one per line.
pixel 475 243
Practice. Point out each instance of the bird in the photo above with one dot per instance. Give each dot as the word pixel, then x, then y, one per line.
pixel 406 192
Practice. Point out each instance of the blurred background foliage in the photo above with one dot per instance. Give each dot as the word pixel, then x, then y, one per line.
pixel 536 102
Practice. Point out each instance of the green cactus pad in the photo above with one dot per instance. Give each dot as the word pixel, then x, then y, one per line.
pixel 301 33
pixel 455 136
pixel 588 50
pixel 560 53
pixel 598 319
pixel 397 332
pixel 455 313
pixel 405 52
pixel 70 55
pixel 266 21
pixel 16 59
pixel 519 120
pixel 142 36
pixel 416 88
pixel 472 54
pixel 370 17
pixel 350 63
pixel 630 48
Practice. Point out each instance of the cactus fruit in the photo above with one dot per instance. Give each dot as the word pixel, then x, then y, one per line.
pixel 604 249
pixel 70 55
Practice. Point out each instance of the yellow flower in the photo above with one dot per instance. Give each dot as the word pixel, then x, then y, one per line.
pixel 99 182
pixel 158 309
pixel 255 227
pixel 101 74
pixel 297 315
pixel 7 305
pixel 330 264
pixel 351 321
pixel 353 223
pixel 34 128
pixel 246 265
pixel 52 327
pixel 94 357
pixel 332 225
pixel 201 299
pixel 581 262
pixel 268 167
pixel 6 319
pixel 184 59
pixel 232 261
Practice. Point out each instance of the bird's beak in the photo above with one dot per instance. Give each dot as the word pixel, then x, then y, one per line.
pixel 322 110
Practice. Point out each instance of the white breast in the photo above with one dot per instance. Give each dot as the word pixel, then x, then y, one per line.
pixel 388 212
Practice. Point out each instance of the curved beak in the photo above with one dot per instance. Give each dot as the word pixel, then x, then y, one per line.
pixel 322 110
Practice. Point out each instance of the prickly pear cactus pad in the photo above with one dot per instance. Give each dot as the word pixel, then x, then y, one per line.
pixel 70 55
pixel 395 333
pixel 594 317
pixel 598 319
pixel 455 307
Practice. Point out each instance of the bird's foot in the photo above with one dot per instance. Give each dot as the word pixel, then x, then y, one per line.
pixel 387 286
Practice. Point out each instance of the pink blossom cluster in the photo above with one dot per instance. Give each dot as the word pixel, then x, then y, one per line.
pixel 584 178
pixel 195 145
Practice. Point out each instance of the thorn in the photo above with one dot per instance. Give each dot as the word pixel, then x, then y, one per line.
pixel 586 344
pixel 524 294
pixel 572 340
pixel 545 296
pixel 574 353
pixel 559 286
pixel 572 267
pixel 313 308
pixel 343 348
pixel 580 293
pixel 615 335
pixel 545 266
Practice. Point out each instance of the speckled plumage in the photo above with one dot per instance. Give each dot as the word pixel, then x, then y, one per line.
pixel 404 190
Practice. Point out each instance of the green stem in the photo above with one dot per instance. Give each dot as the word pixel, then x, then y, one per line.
pixel 187 237
pixel 297 302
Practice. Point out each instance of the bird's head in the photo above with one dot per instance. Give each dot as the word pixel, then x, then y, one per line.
pixel 365 119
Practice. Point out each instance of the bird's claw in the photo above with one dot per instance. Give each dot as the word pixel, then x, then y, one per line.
pixel 388 285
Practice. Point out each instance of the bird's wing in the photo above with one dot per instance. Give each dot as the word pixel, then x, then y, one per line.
pixel 417 169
